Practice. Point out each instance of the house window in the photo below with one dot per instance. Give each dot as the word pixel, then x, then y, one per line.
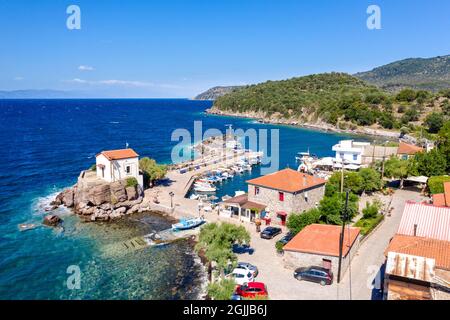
pixel 341 155
pixel 128 169
pixel 103 172
pixel 256 190
pixel 281 196
pixel 355 157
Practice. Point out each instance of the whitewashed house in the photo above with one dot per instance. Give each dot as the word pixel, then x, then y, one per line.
pixel 349 153
pixel 114 165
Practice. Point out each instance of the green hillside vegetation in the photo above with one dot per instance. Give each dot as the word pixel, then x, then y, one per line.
pixel 416 73
pixel 341 100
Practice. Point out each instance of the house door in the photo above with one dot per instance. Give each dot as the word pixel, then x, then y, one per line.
pixel 326 264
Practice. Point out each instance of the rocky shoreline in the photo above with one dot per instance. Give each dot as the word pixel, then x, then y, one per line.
pixel 320 126
pixel 96 200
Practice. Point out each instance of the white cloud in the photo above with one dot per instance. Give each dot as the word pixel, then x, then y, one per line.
pixel 85 68
pixel 18 78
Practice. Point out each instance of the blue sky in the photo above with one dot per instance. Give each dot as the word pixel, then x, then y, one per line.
pixel 175 48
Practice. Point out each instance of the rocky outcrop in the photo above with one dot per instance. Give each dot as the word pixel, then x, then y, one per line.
pixel 97 200
pixel 52 220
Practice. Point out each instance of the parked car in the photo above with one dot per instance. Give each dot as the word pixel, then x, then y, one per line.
pixel 248 267
pixel 242 276
pixel 288 237
pixel 314 274
pixel 252 289
pixel 270 232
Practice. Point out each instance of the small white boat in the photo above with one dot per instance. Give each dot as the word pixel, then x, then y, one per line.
pixel 186 224
pixel 194 196
pixel 205 189
pixel 239 193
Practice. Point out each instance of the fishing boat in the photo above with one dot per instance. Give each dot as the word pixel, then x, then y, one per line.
pixel 186 224
pixel 302 156
pixel 194 196
pixel 204 188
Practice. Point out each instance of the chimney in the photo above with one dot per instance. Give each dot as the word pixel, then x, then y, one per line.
pixel 415 230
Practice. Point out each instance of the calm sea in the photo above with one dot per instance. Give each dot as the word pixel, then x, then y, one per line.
pixel 46 143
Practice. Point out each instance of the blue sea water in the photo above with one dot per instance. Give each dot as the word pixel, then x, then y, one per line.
pixel 46 143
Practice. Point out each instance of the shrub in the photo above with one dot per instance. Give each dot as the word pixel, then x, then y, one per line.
pixel 436 184
pixel 371 179
pixel 371 210
pixel 434 122
pixel 279 246
pixel 367 225
pixel 221 290
pixel 296 222
pixel 93 167
pixel 131 182
pixel 407 95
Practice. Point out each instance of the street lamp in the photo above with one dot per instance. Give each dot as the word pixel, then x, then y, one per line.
pixel 171 194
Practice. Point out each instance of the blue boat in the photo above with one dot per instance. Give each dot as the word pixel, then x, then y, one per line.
pixel 186 224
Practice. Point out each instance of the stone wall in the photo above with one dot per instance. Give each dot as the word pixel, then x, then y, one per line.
pixel 293 202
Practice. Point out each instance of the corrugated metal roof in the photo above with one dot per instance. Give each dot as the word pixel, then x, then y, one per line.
pixel 411 267
pixel 430 221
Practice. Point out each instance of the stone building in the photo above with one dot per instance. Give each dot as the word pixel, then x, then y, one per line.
pixel 285 192
pixel 318 245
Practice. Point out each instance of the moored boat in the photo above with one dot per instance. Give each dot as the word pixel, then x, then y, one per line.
pixel 186 224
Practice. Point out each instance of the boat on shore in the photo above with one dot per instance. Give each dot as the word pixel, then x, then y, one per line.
pixel 186 224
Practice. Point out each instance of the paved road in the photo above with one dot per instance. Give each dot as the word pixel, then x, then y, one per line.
pixel 364 267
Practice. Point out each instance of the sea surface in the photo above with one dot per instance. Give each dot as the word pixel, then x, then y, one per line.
pixel 45 145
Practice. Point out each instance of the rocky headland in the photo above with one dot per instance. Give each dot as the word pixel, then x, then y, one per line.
pixel 96 200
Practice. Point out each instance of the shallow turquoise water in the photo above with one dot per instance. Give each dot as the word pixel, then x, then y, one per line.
pixel 46 143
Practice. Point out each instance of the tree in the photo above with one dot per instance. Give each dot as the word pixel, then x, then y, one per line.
pixel 217 240
pixel 297 221
pixel 429 164
pixel 443 142
pixel 352 182
pixel 152 170
pixel 331 208
pixel 434 121
pixel 221 290
pixel 371 179
pixel 396 168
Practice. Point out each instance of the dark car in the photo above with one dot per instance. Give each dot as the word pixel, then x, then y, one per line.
pixel 288 237
pixel 314 274
pixel 270 232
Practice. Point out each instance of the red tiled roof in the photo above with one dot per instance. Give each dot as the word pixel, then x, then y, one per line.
pixel 322 239
pixel 405 148
pixel 243 202
pixel 439 200
pixel 119 154
pixel 422 247
pixel 432 221
pixel 442 199
pixel 288 180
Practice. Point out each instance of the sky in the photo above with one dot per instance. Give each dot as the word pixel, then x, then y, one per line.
pixel 175 48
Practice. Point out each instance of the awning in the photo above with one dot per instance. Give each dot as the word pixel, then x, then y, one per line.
pixel 420 179
pixel 282 213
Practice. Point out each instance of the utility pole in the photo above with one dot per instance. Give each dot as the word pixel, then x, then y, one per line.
pixel 342 176
pixel 341 239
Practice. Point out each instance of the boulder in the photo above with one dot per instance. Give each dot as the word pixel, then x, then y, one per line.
pixel 68 197
pixel 52 220
pixel 100 194
pixel 131 193
pixel 118 191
